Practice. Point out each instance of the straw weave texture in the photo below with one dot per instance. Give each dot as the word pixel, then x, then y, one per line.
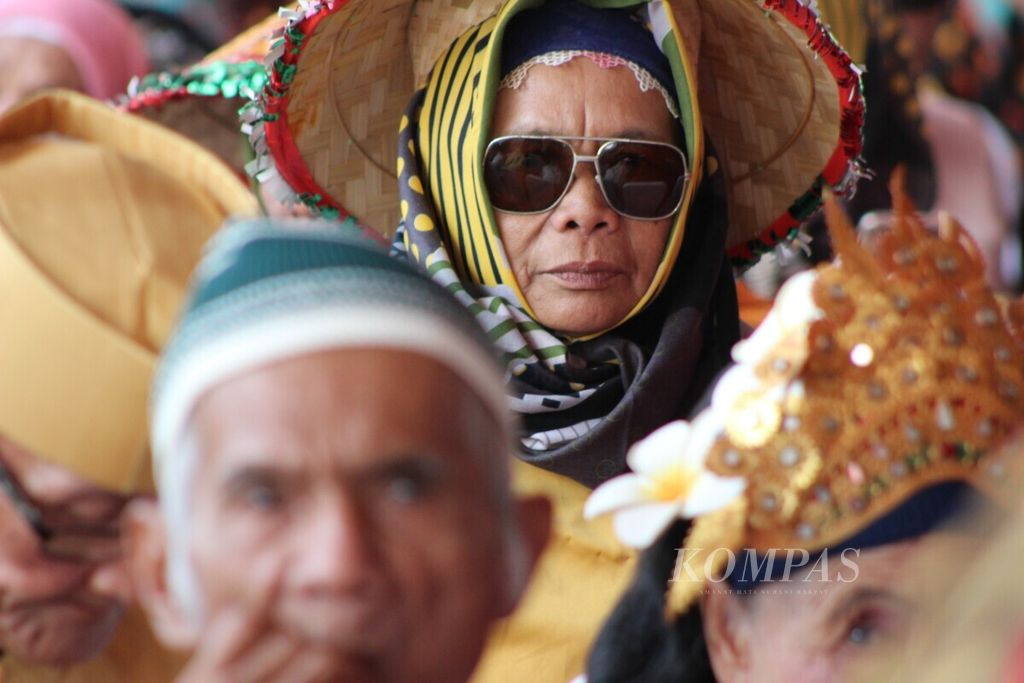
pixel 356 77
pixel 770 106
pixel 212 122
pixel 773 128
pixel 435 24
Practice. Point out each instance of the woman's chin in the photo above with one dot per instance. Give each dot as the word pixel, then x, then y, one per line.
pixel 580 316
pixel 575 306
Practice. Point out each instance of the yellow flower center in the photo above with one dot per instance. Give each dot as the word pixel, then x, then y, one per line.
pixel 672 484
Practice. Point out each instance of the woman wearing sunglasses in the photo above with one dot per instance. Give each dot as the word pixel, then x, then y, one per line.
pixel 581 175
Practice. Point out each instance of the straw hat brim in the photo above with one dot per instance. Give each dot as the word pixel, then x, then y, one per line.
pixel 325 130
pixel 202 101
pixel 779 98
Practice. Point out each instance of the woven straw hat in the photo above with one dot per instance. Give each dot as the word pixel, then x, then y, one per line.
pixel 102 218
pixel 202 101
pixel 779 98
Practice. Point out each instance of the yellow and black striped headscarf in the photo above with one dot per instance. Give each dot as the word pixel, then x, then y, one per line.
pixel 453 132
pixel 448 225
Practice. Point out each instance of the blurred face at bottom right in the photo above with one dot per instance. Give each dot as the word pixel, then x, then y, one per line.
pixel 813 630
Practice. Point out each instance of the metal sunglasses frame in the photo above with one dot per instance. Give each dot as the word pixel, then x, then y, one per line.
pixel 593 159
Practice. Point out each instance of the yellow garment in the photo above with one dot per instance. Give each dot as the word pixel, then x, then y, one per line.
pixel 580 578
pixel 132 657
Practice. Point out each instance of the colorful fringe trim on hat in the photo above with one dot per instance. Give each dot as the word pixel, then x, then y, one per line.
pixel 279 166
pixel 845 167
pixel 265 121
pixel 229 80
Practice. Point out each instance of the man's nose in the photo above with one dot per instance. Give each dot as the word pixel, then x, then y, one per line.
pixel 336 546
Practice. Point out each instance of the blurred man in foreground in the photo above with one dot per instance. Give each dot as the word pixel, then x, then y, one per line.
pixel 332 450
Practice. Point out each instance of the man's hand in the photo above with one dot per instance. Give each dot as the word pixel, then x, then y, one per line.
pixel 245 646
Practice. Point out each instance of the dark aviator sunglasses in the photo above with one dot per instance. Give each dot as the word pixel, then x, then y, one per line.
pixel 640 179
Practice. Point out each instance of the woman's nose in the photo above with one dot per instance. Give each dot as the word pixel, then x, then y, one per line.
pixel 584 207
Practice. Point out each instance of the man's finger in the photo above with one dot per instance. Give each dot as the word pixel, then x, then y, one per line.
pixel 265 663
pixel 310 666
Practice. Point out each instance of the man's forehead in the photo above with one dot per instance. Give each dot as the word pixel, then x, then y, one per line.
pixel 377 373
pixel 352 399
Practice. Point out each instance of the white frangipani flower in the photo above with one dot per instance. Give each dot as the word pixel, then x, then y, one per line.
pixel 669 481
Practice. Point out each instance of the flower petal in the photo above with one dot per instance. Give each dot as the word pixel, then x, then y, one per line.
pixel 760 342
pixel 712 492
pixel 661 449
pixel 795 300
pixel 640 526
pixel 790 315
pixel 622 491
pixel 704 430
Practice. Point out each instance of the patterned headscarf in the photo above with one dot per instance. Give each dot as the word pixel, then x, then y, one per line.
pixel 581 399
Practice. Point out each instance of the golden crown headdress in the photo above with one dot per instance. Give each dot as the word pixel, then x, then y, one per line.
pixel 872 378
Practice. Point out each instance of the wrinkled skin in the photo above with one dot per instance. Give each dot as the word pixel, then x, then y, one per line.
pixel 346 525
pixel 816 631
pixel 56 612
pixel 581 266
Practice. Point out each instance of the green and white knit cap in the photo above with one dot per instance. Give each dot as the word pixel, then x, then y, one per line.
pixel 271 290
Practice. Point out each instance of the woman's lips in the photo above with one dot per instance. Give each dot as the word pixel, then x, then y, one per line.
pixel 585 275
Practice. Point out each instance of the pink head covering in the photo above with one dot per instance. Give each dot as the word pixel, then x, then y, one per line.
pixel 97 34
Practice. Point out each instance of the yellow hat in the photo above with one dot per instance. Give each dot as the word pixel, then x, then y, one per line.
pixel 102 218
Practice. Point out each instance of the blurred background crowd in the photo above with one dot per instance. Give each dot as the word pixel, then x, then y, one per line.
pixel 945 79
pixel 928 328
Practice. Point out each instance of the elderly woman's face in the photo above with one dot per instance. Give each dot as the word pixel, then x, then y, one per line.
pixel 581 266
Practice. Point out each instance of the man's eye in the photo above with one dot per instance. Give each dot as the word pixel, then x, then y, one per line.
pixel 630 160
pixel 263 497
pixel 405 489
pixel 867 628
pixel 861 634
pixel 412 482
pixel 528 161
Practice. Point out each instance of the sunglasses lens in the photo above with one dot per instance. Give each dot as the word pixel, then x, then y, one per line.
pixel 642 180
pixel 526 175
